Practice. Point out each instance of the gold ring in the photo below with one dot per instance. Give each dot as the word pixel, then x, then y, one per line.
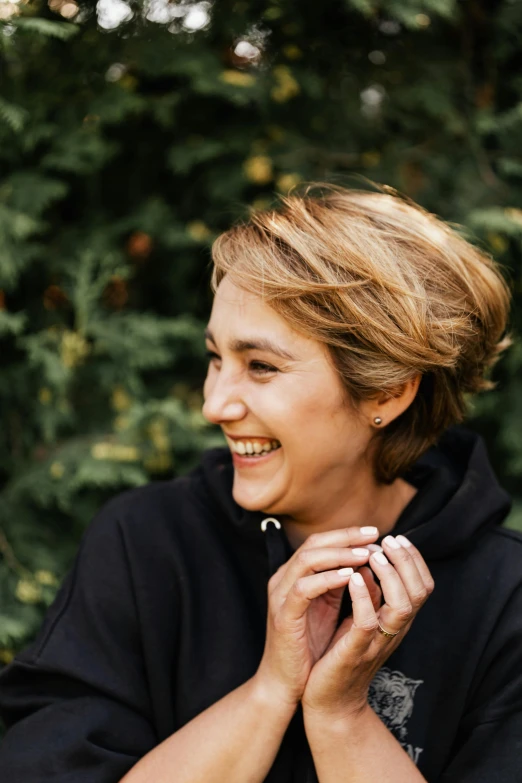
pixel 386 633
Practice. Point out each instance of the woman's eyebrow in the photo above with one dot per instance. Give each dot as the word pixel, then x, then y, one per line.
pixel 254 344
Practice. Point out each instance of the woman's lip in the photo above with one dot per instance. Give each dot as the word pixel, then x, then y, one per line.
pixel 245 461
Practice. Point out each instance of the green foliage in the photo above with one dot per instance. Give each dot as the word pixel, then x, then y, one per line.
pixel 44 27
pixel 12 116
pixel 125 148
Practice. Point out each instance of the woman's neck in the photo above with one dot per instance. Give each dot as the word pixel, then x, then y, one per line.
pixel 382 512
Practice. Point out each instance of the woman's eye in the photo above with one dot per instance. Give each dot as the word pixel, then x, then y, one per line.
pixel 261 367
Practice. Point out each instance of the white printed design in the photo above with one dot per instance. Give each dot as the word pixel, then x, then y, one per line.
pixel 391 697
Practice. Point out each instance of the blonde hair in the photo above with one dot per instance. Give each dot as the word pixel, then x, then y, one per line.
pixel 390 289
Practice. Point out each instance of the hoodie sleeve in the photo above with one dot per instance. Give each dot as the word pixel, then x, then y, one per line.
pixel 489 746
pixel 76 702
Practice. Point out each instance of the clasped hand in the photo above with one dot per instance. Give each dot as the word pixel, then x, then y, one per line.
pixel 305 658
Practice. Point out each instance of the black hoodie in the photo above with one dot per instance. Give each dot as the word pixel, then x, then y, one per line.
pixel 164 613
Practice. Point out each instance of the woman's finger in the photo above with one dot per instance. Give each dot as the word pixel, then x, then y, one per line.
pixel 406 567
pixel 365 622
pixel 306 562
pixel 305 589
pixel 373 588
pixel 424 571
pixel 397 610
pixel 341 537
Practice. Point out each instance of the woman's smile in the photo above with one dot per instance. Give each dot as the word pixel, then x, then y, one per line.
pixel 254 460
pixel 251 451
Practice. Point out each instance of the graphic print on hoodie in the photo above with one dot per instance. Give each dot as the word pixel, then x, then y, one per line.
pixel 164 613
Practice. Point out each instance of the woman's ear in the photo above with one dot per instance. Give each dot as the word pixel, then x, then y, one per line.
pixel 392 403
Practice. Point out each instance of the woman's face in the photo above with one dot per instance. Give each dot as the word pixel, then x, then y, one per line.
pixel 267 382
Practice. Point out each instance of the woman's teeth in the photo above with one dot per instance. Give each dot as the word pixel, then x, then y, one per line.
pixel 252 447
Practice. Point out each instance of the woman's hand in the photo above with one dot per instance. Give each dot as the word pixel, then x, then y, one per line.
pixel 338 683
pixel 304 597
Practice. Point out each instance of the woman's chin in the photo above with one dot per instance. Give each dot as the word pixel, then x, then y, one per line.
pixel 254 499
pixel 248 501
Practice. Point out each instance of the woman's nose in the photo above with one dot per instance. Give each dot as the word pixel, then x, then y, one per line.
pixel 222 401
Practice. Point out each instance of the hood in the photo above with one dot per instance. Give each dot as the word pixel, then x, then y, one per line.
pixel 458 499
pixel 459 496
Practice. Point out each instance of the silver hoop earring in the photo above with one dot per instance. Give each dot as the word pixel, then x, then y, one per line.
pixel 377 420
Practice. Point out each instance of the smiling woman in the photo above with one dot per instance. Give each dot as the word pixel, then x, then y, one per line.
pixel 390 291
pixel 274 602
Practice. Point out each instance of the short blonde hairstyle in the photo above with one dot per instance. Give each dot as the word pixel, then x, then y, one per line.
pixel 390 289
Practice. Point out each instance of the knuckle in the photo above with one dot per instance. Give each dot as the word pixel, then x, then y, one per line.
pixel 352 534
pixel 303 558
pixel 419 596
pixel 298 588
pixel 314 540
pixel 430 586
pixel 272 582
pixel 368 626
pixel 279 573
pixel 404 610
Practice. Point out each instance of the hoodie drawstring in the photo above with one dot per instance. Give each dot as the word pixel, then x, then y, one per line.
pixel 275 544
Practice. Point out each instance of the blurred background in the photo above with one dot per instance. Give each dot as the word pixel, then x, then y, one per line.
pixel 133 133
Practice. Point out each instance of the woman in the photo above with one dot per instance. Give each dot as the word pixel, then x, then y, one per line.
pixel 265 618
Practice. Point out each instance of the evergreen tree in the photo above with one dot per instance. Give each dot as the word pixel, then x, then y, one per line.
pixel 131 134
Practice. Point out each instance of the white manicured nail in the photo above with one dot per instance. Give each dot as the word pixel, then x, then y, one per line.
pixel 369 531
pixel 404 541
pixel 374 548
pixel 360 552
pixel 345 571
pixel 357 579
pixel 392 542
pixel 380 558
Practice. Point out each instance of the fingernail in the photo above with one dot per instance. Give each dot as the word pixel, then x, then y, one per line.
pixel 392 542
pixel 360 552
pixel 375 548
pixel 357 579
pixel 345 571
pixel 403 540
pixel 380 558
pixel 369 531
